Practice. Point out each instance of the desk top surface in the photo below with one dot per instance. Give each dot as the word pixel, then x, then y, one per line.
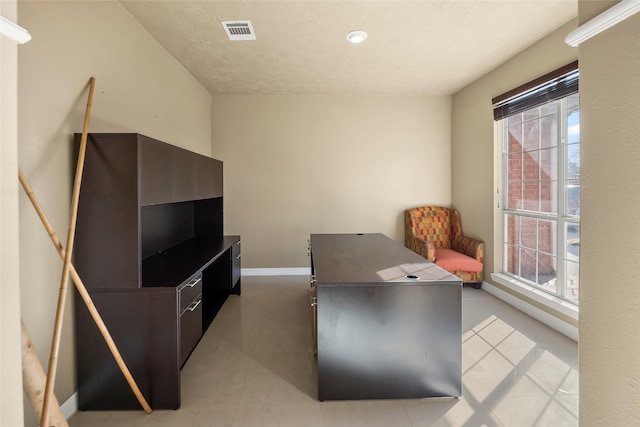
pixel 369 259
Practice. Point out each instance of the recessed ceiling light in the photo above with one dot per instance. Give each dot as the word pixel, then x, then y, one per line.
pixel 356 36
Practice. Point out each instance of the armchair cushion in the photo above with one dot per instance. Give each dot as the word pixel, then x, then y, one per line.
pixel 451 260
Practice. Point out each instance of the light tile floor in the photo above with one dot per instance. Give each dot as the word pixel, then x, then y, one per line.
pixel 254 368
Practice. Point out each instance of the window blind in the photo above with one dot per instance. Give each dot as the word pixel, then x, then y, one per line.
pixel 554 85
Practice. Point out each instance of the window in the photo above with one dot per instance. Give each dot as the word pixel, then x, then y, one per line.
pixel 541 191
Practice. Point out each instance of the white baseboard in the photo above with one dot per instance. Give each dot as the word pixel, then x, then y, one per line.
pixel 292 271
pixel 533 311
pixel 70 406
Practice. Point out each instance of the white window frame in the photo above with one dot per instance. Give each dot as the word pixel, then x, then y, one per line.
pixel 530 291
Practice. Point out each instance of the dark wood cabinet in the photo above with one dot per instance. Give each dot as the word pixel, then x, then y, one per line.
pixel 151 251
pixel 208 178
pixel 156 172
pixel 184 184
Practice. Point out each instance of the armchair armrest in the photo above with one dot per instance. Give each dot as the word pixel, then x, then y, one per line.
pixel 421 247
pixel 470 247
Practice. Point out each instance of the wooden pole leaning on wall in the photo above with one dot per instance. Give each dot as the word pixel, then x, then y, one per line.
pixel 62 294
pixel 55 342
pixel 84 294
pixel 33 380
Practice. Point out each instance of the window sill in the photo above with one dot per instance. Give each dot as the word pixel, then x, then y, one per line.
pixel 554 303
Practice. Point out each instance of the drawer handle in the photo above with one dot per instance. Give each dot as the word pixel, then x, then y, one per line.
pixel 239 255
pixel 193 305
pixel 194 282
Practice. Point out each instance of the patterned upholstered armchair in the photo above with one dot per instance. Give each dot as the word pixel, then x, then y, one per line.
pixel 436 233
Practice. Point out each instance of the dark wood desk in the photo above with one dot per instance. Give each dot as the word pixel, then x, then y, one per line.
pixel 389 322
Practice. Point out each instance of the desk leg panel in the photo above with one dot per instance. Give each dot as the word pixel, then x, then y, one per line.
pixel 395 341
pixel 142 323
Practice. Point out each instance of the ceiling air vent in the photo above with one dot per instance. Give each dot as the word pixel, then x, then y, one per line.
pixel 239 30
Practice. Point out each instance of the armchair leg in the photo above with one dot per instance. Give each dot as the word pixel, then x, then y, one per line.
pixel 477 285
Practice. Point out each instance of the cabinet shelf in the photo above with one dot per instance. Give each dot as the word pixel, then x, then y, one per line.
pixel 173 266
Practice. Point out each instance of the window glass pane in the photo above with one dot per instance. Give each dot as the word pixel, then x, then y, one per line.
pixel 547 232
pixel 547 261
pixel 531 196
pixel 532 113
pixel 573 197
pixel 550 108
pixel 573 127
pixel 528 232
pixel 514 195
pixel 513 260
pixel 547 272
pixel 573 101
pixel 572 165
pixel 528 265
pixel 573 242
pixel 516 118
pixel 513 229
pixel 572 270
pixel 531 165
pixel 549 197
pixel 531 135
pixel 573 160
pixel 549 136
pixel 515 139
pixel 548 160
pixel 514 166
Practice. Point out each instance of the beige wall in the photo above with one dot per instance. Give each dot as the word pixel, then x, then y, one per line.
pixel 139 88
pixel 296 165
pixel 472 143
pixel 610 241
pixel 10 368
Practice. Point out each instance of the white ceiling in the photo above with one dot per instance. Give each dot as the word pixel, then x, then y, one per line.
pixel 431 47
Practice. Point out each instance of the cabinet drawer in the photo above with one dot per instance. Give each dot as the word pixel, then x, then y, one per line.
pixel 190 328
pixel 190 291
